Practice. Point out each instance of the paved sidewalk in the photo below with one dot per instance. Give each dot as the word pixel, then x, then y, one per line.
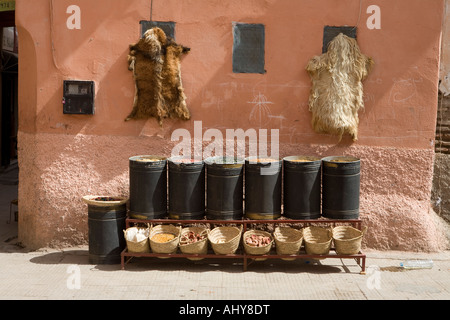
pixel 67 274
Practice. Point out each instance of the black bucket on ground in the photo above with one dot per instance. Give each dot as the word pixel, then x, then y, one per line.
pixel 224 188
pixel 340 187
pixel 148 187
pixel 301 187
pixel 186 189
pixel 262 188
pixel 106 240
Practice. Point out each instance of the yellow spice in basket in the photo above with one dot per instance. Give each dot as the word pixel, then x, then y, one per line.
pixel 163 237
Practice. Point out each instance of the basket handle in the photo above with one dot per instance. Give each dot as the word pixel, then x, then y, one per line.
pixel 364 229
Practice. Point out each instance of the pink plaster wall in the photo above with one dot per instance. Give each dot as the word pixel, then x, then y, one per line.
pixel 63 157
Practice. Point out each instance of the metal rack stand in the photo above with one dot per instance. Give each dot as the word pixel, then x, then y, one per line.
pixel 360 258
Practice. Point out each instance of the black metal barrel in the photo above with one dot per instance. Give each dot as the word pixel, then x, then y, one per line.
pixel 301 187
pixel 106 239
pixel 262 188
pixel 224 188
pixel 186 189
pixel 148 187
pixel 340 187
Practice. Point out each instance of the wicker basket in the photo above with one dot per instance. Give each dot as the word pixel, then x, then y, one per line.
pixel 288 240
pixel 165 247
pixel 317 239
pixel 133 243
pixel 225 240
pixel 253 250
pixel 199 247
pixel 347 239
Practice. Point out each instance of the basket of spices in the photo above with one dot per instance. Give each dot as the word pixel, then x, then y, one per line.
pixel 137 239
pixel 257 242
pixel 288 240
pixel 225 240
pixel 194 240
pixel 347 239
pixel 164 238
pixel 317 239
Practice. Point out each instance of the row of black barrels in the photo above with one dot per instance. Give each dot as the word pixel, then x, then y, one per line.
pixel 224 188
pixel 307 182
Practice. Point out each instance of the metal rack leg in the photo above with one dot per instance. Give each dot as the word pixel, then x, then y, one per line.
pixel 363 266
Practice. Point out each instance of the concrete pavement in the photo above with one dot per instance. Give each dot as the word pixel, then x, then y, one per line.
pixel 66 274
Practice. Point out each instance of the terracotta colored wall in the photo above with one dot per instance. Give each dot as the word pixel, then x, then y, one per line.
pixel 63 157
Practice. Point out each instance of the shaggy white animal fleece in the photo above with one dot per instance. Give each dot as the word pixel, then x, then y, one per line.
pixel 337 91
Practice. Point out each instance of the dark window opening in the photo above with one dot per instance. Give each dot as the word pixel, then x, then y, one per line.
pixel 248 48
pixel 167 26
pixel 330 32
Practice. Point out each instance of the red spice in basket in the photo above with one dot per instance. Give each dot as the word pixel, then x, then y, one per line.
pixel 192 237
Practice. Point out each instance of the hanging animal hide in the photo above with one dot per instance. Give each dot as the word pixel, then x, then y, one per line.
pixel 337 92
pixel 172 88
pixel 155 63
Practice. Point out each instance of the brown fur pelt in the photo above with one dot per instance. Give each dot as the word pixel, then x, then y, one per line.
pixel 155 63
pixel 337 92
pixel 172 88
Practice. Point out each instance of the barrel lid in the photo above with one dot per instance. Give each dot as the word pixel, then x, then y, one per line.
pixel 261 160
pixel 224 161
pixel 301 158
pixel 341 163
pixel 184 160
pixel 147 158
pixel 340 159
pixel 104 201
